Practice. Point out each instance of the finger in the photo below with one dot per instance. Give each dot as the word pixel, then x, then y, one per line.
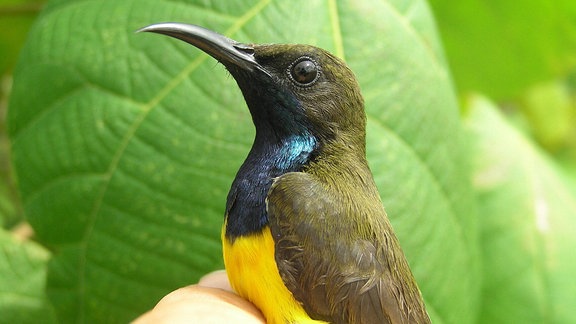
pixel 216 279
pixel 202 305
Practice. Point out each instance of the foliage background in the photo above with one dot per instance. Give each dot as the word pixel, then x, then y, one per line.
pixel 483 197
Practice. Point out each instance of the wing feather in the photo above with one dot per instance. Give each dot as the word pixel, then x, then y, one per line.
pixel 336 256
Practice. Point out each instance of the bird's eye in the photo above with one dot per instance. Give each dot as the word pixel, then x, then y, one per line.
pixel 304 71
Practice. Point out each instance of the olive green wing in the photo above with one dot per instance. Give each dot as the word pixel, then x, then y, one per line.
pixel 336 259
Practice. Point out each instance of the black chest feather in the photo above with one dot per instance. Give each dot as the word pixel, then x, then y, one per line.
pixel 246 203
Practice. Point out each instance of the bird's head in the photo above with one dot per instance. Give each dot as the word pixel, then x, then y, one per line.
pixel 289 89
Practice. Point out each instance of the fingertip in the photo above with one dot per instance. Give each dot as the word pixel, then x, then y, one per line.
pixel 216 279
pixel 203 305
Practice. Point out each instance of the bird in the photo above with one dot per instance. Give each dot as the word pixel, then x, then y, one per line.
pixel 306 237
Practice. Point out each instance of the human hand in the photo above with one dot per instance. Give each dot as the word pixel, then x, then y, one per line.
pixel 210 301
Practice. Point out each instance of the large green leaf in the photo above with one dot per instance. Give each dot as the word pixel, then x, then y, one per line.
pixel 500 47
pixel 125 144
pixel 528 225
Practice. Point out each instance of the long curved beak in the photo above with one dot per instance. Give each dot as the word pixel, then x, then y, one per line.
pixel 227 51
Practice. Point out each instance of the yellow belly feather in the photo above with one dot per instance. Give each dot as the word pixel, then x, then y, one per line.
pixel 253 274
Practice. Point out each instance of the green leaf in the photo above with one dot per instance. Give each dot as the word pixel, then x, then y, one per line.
pixel 22 280
pixel 500 47
pixel 528 225
pixel 126 152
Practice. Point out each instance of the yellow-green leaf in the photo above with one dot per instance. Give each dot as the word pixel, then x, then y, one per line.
pixel 527 221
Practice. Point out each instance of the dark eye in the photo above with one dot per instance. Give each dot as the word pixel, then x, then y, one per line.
pixel 304 71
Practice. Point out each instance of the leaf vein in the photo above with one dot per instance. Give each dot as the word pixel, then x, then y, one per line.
pixel 413 31
pixel 336 31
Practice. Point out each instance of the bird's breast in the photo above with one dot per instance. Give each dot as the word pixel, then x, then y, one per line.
pixel 253 274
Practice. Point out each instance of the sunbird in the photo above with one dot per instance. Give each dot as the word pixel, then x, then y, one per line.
pixel 305 236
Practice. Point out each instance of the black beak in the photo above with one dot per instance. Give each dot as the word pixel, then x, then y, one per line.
pixel 227 51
